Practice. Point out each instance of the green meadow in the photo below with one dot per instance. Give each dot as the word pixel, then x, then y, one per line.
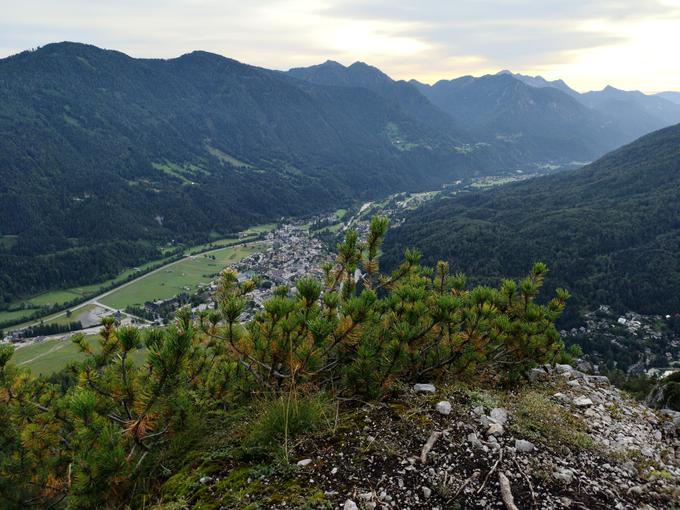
pixel 50 356
pixel 184 276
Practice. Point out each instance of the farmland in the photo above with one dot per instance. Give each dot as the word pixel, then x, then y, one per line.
pixel 59 298
pixel 50 356
pixel 183 276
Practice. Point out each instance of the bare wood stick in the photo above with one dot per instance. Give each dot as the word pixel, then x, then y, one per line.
pixel 528 480
pixel 430 443
pixel 506 492
pixel 486 479
pixel 474 476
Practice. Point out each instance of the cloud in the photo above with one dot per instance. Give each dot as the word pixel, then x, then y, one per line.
pixel 425 39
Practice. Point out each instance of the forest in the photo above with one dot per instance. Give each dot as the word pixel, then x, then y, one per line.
pixel 609 231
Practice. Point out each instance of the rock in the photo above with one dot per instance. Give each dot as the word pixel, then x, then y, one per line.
pixel 304 462
pixel 474 440
pixel 537 374
pixel 597 379
pixel 563 369
pixel 583 402
pixel 205 479
pixel 350 505
pixel 424 388
pixel 573 383
pixel 495 429
pixel 564 475
pixel 566 502
pixel 444 407
pixel 427 492
pixel 524 446
pixel 647 452
pixel 499 415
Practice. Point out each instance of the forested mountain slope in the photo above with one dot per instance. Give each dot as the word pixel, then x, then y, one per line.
pixel 633 112
pixel 609 232
pixel 399 93
pixel 96 146
pixel 540 123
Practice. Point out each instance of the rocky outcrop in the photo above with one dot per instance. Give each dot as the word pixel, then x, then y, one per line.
pixel 571 441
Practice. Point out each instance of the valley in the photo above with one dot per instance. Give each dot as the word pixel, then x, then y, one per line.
pixel 231 286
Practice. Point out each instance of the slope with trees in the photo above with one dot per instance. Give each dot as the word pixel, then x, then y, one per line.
pixel 610 231
pixel 97 147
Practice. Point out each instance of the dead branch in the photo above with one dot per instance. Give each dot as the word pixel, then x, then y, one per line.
pixel 474 476
pixel 486 479
pixel 434 437
pixel 506 492
pixel 528 480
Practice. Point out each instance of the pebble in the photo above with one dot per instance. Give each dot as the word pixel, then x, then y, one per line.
pixel 304 462
pixel 499 415
pixel 524 446
pixel 424 388
pixel 495 429
pixel 444 407
pixel 583 402
pixel 350 505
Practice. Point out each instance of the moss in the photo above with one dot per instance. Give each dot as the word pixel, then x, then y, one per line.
pixel 660 474
pixel 540 419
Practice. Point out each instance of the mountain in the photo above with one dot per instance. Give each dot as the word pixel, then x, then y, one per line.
pixel 609 232
pixel 540 82
pixel 540 124
pixel 96 146
pixel 673 97
pixel 633 111
pixel 400 94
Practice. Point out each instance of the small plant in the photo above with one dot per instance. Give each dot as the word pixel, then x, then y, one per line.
pixel 281 420
pixel 540 419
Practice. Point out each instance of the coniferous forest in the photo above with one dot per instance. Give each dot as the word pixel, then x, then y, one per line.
pixel 610 230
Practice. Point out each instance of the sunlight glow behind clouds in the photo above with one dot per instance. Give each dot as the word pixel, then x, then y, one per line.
pixel 626 43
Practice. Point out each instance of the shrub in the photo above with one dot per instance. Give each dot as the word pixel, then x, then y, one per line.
pixel 102 441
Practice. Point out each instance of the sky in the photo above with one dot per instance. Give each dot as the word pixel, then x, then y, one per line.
pixel 630 44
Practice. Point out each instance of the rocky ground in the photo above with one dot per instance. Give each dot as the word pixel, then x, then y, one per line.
pixel 566 440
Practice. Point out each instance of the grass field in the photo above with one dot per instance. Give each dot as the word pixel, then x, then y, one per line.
pixel 259 229
pixel 16 314
pixel 61 297
pixel 8 241
pixel 185 276
pixel 54 355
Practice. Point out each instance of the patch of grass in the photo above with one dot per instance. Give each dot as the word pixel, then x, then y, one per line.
pixel 227 158
pixel 50 356
pixel 280 421
pixel 51 298
pixel 480 397
pixel 184 276
pixel 8 241
pixel 12 315
pixel 259 229
pixel 184 172
pixel 539 419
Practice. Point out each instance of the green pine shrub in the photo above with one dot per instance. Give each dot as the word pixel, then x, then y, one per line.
pixel 108 436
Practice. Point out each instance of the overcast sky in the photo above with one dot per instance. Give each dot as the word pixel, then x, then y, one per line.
pixel 631 44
